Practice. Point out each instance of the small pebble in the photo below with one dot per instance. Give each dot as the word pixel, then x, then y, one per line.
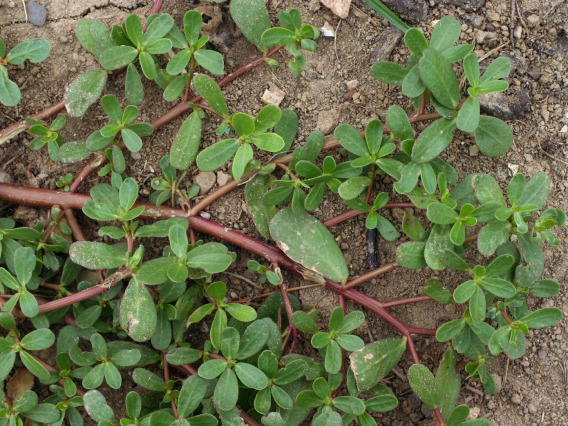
pixel 205 180
pixel 11 4
pixel 533 21
pixel 273 95
pixel 37 14
pixel 63 39
pixel 352 84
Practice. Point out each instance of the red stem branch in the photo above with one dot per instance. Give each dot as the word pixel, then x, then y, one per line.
pixel 47 198
pixel 354 213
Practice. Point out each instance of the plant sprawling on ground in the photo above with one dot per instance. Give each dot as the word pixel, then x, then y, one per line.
pixel 135 314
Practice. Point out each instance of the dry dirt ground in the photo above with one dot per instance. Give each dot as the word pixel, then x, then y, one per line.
pixel 532 391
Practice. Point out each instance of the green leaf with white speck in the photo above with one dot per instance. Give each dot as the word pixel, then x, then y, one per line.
pixel 423 384
pixel 373 362
pixel 84 91
pixel 137 312
pixel 261 214
pixel 93 255
pixel 185 146
pixel 307 241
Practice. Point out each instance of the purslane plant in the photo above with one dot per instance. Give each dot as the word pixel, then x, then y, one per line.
pixel 35 50
pixel 154 313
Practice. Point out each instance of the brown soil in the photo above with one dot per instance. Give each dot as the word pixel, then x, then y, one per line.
pixel 533 391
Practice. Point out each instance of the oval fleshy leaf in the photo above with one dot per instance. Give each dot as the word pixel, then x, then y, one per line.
pixel 138 312
pixel 307 241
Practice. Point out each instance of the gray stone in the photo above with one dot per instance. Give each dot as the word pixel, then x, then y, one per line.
pixel 338 7
pixel 352 84
pixel 205 180
pixel 223 178
pixel 5 177
pixel 386 43
pixel 37 14
pixel 327 120
pixel 506 106
pixel 412 10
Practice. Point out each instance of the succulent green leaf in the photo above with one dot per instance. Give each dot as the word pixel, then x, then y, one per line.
pixel 94 255
pixel 545 317
pixel 211 93
pixel 424 384
pixel 498 68
pixel 278 35
pixel 34 49
pixel 433 140
pixel 468 116
pixel 307 241
pixel 10 94
pixel 412 86
pixel 158 28
pixel 84 91
pixel 252 19
pixel 118 57
pixel 437 74
pixel 493 136
pixel 415 41
pixel 137 312
pixel 411 255
pixel 494 234
pixel 212 157
pixel 399 124
pixel 351 139
pixel 536 190
pixel 448 382
pixel 251 376
pixel 287 127
pixel 270 142
pixel 389 72
pixel 186 145
pixel 446 32
pixel 261 213
pixel 210 60
pixel 375 361
pixel 96 407
pixel 438 241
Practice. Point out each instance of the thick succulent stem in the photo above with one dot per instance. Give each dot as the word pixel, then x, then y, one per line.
pixel 47 198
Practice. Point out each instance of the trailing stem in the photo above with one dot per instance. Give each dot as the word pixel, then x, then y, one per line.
pixel 48 198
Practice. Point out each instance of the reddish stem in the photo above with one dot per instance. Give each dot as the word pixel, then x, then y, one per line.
pixel 439 419
pixel 289 312
pixel 107 284
pixel 157 6
pixel 167 379
pixel 423 101
pixel 407 301
pixel 48 367
pixel 47 198
pixel 354 213
pixel 170 116
pixel 74 225
pixel 372 274
pixel 19 126
pixel 341 302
